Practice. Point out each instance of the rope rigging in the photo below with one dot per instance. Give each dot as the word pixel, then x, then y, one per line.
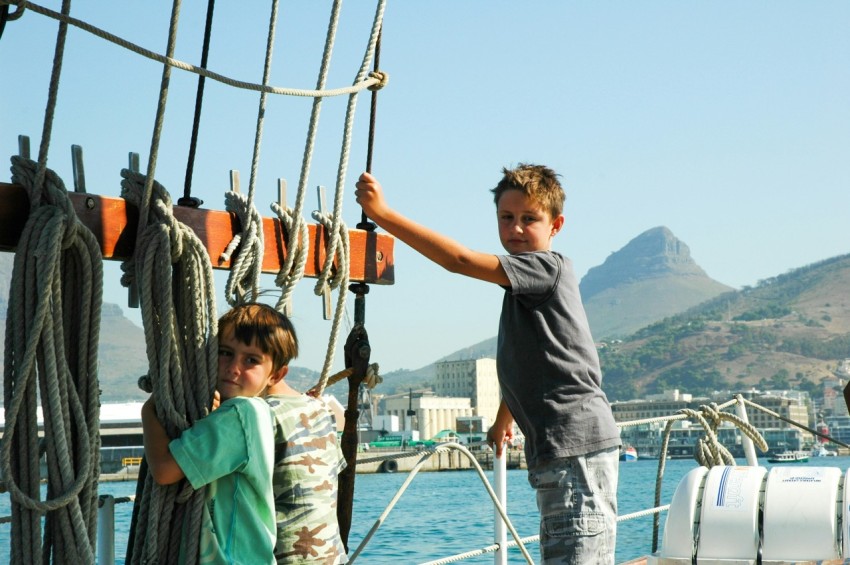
pixel 170 277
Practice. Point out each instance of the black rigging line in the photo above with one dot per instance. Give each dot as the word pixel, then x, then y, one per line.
pixel 188 199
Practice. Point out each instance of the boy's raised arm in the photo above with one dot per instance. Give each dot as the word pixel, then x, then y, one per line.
pixel 163 467
pixel 440 249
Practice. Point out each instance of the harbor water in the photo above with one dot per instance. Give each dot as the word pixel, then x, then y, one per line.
pixel 445 513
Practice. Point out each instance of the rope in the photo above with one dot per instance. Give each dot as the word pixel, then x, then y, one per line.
pixel 794 423
pixel 297 245
pixel 373 81
pixel 288 278
pixel 5 16
pixel 55 260
pixel 337 234
pixel 55 296
pixel 708 452
pixel 243 282
pixel 179 317
pixel 370 381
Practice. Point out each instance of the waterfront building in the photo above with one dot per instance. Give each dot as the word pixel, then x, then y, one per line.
pixel 653 406
pixel 646 438
pixel 424 412
pixel 475 379
pixel 791 404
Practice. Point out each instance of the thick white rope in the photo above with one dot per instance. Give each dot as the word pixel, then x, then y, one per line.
pixel 55 297
pixel 243 282
pixel 179 316
pixel 373 80
pixel 297 247
pixel 333 280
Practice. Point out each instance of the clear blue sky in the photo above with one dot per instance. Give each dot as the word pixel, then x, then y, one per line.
pixel 727 122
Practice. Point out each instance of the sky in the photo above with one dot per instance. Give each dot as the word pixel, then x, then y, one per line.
pixel 727 122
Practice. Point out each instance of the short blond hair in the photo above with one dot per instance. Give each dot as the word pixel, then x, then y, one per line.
pixel 538 182
pixel 260 324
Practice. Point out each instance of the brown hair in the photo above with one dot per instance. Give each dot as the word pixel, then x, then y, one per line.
pixel 260 324
pixel 538 182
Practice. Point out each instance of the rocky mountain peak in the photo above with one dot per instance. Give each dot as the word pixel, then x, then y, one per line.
pixel 654 253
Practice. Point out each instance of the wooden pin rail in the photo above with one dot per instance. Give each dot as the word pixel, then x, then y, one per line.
pixel 114 224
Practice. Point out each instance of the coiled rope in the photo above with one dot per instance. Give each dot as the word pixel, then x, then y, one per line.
pixel 51 344
pixel 179 318
pixel 55 297
pixel 172 271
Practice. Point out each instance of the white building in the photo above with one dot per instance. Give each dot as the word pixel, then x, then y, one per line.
pixel 475 379
pixel 425 412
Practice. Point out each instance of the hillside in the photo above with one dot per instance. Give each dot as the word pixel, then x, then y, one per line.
pixel 790 331
pixel 650 278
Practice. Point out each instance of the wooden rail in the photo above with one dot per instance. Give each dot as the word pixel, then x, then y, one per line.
pixel 114 222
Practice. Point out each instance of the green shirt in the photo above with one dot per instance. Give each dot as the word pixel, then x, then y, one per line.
pixel 231 451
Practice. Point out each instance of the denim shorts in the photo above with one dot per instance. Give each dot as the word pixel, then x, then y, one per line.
pixel 577 499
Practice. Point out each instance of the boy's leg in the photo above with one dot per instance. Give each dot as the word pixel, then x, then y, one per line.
pixel 577 499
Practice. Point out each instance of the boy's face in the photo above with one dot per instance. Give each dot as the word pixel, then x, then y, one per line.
pixel 524 225
pixel 243 370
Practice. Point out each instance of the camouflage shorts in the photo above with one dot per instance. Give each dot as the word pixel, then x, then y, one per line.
pixel 577 499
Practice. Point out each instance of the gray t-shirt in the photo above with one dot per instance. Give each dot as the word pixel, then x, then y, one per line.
pixel 547 363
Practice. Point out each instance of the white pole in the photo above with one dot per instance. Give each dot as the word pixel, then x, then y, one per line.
pixel 749 447
pixel 500 482
pixel 106 530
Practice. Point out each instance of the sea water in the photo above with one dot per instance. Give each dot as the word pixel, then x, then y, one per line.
pixel 445 513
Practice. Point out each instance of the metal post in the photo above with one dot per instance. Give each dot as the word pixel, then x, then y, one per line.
pixel 106 530
pixel 500 482
pixel 749 447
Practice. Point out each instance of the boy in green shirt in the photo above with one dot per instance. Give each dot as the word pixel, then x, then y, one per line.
pixel 232 449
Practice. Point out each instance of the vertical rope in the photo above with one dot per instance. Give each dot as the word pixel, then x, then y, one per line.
pixel 337 231
pixel 243 283
pixel 179 319
pixel 53 251
pixel 55 297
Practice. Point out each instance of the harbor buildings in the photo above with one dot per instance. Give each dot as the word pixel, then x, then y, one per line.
pixel 780 435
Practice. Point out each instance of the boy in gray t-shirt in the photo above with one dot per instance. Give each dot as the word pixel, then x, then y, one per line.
pixel 547 363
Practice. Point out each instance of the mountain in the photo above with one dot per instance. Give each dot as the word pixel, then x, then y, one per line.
pixel 790 331
pixel 652 277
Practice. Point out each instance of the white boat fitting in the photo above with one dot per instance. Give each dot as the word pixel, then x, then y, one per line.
pixel 748 515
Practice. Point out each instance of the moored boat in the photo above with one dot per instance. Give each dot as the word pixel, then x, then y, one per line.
pixel 628 453
pixel 820 450
pixel 789 457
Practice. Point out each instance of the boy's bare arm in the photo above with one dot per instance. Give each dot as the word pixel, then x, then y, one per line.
pixel 502 429
pixel 163 467
pixel 440 249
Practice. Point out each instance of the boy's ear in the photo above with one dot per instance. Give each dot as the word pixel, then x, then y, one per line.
pixel 557 224
pixel 278 375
